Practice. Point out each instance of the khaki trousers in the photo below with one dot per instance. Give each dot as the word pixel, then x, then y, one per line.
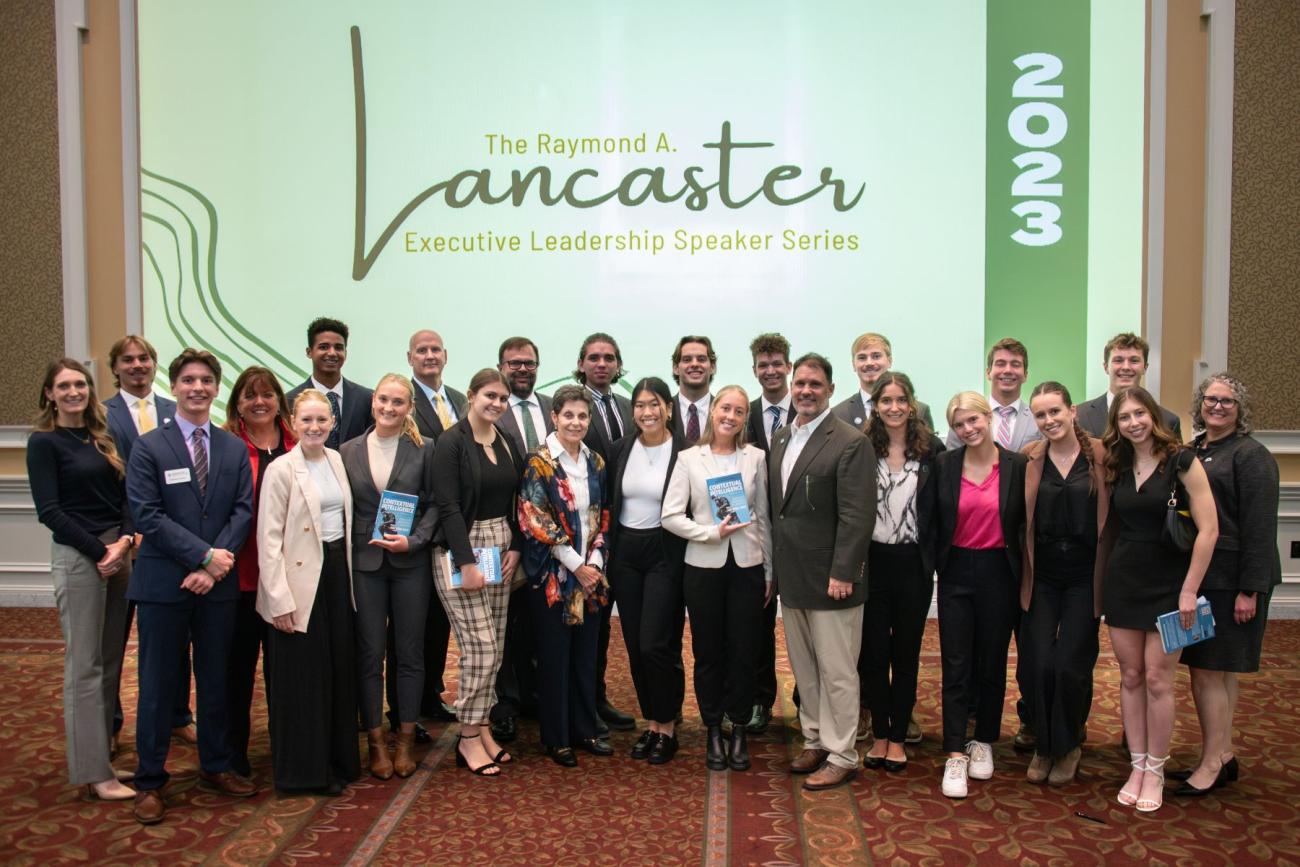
pixel 823 648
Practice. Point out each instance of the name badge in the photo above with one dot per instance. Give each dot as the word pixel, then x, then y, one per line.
pixel 177 477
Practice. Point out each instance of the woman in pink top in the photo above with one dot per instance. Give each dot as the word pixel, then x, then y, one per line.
pixel 981 519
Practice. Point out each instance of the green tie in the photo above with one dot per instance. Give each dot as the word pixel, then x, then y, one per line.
pixel 530 430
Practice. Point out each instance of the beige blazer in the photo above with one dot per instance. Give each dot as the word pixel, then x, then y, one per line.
pixel 688 487
pixel 288 537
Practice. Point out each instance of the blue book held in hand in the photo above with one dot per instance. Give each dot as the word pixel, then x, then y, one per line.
pixel 1175 637
pixel 395 515
pixel 727 498
pixel 489 563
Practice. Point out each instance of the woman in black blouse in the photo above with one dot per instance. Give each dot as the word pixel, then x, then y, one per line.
pixel 78 486
pixel 1066 500
pixel 476 476
pixel 1242 574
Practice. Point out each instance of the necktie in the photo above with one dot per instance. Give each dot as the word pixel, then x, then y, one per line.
pixel 775 412
pixel 612 420
pixel 530 429
pixel 1003 434
pixel 145 423
pixel 200 461
pixel 333 439
pixel 692 424
pixel 866 405
pixel 440 407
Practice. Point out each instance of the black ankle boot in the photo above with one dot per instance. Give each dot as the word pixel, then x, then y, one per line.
pixel 716 757
pixel 739 759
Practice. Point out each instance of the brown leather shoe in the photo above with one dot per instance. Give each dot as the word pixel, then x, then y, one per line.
pixel 381 766
pixel 149 808
pixel 403 761
pixel 186 734
pixel 229 783
pixel 808 761
pixel 828 777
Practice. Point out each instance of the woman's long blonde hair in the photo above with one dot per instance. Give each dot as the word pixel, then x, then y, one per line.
pixel 96 422
pixel 742 435
pixel 410 429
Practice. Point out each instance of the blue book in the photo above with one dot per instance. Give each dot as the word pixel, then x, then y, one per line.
pixel 489 563
pixel 395 515
pixel 1175 637
pixel 727 498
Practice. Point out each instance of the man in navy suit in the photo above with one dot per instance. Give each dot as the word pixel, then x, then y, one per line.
pixel 1125 362
pixel 438 406
pixel 136 410
pixel 327 347
pixel 190 488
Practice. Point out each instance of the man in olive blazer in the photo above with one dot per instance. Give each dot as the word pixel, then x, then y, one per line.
pixel 822 479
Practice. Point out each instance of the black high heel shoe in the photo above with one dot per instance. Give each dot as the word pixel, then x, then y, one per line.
pixel 1187 790
pixel 483 770
pixel 1230 772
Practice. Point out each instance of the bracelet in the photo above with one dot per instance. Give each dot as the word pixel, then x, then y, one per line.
pixel 207 559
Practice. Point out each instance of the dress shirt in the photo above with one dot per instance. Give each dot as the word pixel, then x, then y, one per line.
pixel 606 404
pixel 865 397
pixel 573 558
pixel 534 409
pixel 337 390
pixel 331 498
pixel 784 406
pixel 701 406
pixel 441 391
pixel 187 430
pixel 133 406
pixel 799 438
pixel 1012 420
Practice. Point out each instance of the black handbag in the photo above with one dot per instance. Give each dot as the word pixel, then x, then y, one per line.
pixel 1179 531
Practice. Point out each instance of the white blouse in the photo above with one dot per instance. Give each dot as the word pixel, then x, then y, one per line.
pixel 643 485
pixel 331 499
pixel 574 558
pixel 896 521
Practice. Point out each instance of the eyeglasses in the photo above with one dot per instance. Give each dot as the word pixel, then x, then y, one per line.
pixel 520 364
pixel 1225 402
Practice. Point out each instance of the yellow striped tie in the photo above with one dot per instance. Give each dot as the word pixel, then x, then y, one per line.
pixel 146 420
pixel 440 406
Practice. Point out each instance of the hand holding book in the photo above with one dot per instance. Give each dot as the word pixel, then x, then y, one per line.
pixel 731 525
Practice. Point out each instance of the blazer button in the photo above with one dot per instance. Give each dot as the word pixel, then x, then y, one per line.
pixel 306 529
pixel 298 563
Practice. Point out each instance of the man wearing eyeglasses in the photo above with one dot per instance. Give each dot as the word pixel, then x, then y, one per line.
pixel 1125 363
pixel 529 419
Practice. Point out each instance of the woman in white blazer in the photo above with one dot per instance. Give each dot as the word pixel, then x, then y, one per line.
pixel 305 591
pixel 728 574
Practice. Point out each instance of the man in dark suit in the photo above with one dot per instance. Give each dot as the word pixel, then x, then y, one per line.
pixel 438 406
pixel 136 410
pixel 327 347
pixel 529 419
pixel 694 366
pixel 190 488
pixel 1125 363
pixel 600 365
pixel 771 410
pixel 1006 369
pixel 822 481
pixel 872 355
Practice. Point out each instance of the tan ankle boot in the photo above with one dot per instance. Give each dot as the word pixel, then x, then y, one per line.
pixel 381 766
pixel 403 761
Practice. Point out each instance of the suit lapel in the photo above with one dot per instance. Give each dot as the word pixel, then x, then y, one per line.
pixel 214 463
pixel 954 480
pixel 308 488
pixel 360 468
pixel 820 437
pixel 511 426
pixel 1004 490
pixel 405 448
pixel 424 409
pixel 174 438
pixel 775 457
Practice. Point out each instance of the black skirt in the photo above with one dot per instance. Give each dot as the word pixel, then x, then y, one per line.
pixel 1235 646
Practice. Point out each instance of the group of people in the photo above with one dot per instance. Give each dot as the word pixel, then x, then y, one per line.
pixel 344 533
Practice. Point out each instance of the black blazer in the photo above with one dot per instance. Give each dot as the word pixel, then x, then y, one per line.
pixel 510 424
pixel 426 418
pixel 756 423
pixel 1093 415
pixel 457 483
pixel 122 427
pixel 597 439
pixel 1011 504
pixel 412 474
pixel 927 502
pixel 674 546
pixel 356 418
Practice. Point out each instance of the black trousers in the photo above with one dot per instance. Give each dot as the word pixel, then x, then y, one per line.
pixel 765 666
pixel 566 672
pixel 399 595
pixel 602 645
pixel 726 611
pixel 978 603
pixel 899 593
pixel 312 700
pixel 437 632
pixel 1060 635
pixel 181 715
pixel 651 612
pixel 246 644
pixel 516 684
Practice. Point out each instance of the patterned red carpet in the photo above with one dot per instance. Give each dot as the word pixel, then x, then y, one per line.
pixel 619 812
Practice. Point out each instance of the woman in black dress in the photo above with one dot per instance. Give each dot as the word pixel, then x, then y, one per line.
pixel 1242 573
pixel 1146 578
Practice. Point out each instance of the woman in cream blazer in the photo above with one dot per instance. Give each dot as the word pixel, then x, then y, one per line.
pixel 728 573
pixel 305 592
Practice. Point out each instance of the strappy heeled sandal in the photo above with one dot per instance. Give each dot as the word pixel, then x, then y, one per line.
pixel 1139 763
pixel 483 770
pixel 1154 766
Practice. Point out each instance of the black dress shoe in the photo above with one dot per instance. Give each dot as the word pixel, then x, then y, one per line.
pixel 641 748
pixel 563 756
pixel 760 719
pixel 602 730
pixel 716 752
pixel 441 712
pixel 422 735
pixel 738 759
pixel 505 730
pixel 595 746
pixel 334 788
pixel 614 718
pixel 662 749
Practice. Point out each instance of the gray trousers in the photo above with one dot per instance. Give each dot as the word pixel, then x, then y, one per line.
pixel 92 614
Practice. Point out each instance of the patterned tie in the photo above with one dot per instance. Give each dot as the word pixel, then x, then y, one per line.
pixel 440 407
pixel 200 461
pixel 530 430
pixel 333 439
pixel 1003 435
pixel 692 424
pixel 612 421
pixel 146 420
pixel 775 412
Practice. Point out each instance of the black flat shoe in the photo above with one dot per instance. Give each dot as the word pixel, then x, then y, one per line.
pixel 641 748
pixel 563 756
pixel 662 749
pixel 422 735
pixel 614 718
pixel 738 758
pixel 873 763
pixel 504 731
pixel 716 752
pixel 893 766
pixel 596 747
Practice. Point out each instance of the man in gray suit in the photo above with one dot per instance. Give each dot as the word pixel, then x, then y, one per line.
pixel 1125 363
pixel 437 406
pixel 822 482
pixel 1006 369
pixel 872 355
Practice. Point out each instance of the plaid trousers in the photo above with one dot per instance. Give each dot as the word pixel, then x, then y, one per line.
pixel 478 619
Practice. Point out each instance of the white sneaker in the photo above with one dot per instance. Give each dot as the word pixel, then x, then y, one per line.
pixel 954 776
pixel 981 760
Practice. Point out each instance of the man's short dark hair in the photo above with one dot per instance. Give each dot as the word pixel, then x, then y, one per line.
pixel 1126 340
pixel 517 343
pixel 190 355
pixel 814 359
pixel 770 343
pixel 1008 344
pixel 598 337
pixel 694 338
pixel 117 349
pixel 322 324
